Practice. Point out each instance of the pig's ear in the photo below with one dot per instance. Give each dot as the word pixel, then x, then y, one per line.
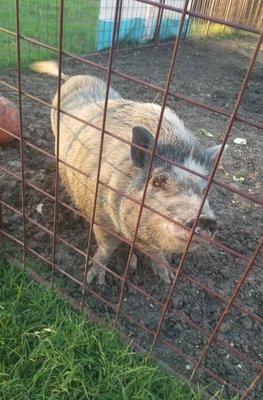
pixel 143 138
pixel 212 152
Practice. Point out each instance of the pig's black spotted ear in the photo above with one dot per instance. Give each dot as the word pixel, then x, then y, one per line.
pixel 143 138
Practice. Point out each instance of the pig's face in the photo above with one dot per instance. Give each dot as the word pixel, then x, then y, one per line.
pixel 177 194
pixel 178 199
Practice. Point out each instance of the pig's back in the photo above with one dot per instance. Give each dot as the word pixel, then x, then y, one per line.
pixel 79 91
pixel 78 138
pixel 80 145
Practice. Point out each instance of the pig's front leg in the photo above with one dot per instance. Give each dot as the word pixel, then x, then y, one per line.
pixel 163 272
pixel 106 246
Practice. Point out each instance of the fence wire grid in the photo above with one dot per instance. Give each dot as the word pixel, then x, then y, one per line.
pixel 195 367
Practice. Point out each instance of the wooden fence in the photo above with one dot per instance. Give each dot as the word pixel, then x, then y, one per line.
pixel 245 12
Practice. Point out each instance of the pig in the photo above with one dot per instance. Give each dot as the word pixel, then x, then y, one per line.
pixel 171 190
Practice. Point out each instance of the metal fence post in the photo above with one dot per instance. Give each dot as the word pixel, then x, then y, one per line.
pixel 21 136
pixel 1 223
pixel 158 23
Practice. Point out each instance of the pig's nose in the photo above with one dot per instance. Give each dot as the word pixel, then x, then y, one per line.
pixel 205 223
pixel 190 224
pixel 208 224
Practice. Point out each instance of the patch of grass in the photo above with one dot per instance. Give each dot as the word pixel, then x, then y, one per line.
pixel 198 29
pixel 48 351
pixel 39 19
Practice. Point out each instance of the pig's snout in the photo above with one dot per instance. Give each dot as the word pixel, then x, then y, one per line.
pixel 205 224
pixel 208 224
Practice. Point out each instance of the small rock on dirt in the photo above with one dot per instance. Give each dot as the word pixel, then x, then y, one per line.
pixel 226 327
pixel 196 314
pixel 178 302
pixel 247 323
pixel 240 141
pixel 14 164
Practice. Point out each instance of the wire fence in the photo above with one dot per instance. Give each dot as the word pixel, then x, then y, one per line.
pixel 90 297
pixel 88 26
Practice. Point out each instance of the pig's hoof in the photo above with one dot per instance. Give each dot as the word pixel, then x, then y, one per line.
pixel 96 270
pixel 171 276
pixel 165 274
pixel 133 262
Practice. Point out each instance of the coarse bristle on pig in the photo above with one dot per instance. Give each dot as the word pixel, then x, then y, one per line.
pixel 172 191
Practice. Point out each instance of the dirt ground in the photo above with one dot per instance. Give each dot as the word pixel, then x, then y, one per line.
pixel 209 70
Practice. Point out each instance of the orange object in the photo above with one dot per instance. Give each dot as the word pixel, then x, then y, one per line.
pixel 9 120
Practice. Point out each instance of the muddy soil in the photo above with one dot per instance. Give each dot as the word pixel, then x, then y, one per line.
pixel 210 71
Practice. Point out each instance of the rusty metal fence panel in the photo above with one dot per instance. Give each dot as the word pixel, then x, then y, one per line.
pixel 158 343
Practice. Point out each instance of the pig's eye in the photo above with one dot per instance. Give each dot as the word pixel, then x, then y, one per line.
pixel 159 181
